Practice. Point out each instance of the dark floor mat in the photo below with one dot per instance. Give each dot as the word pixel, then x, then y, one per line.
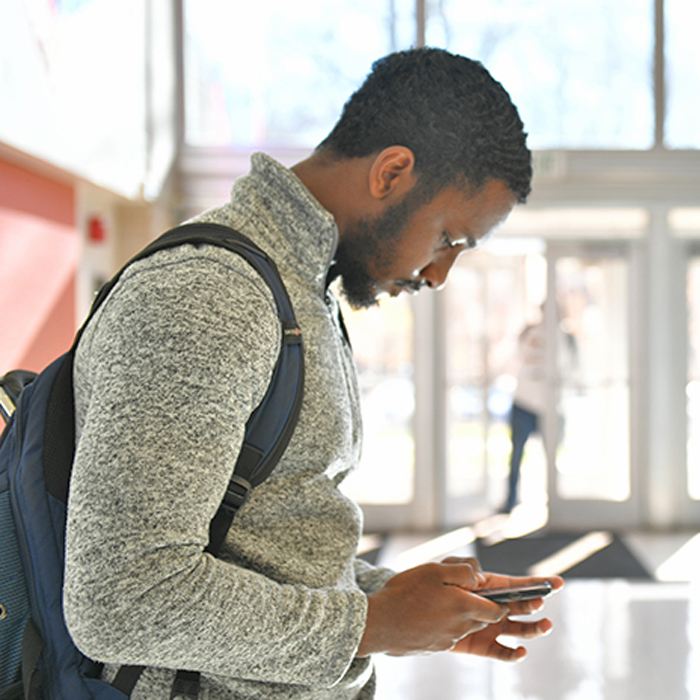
pixel 516 556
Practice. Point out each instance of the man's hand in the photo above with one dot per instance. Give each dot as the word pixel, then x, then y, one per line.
pixel 485 642
pixel 428 608
pixel 433 608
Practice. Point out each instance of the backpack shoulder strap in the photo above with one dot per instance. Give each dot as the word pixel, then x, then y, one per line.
pixel 269 427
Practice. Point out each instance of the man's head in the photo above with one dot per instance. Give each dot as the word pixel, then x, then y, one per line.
pixel 457 120
pixel 427 158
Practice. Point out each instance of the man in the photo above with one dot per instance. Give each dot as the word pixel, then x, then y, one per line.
pixel 427 158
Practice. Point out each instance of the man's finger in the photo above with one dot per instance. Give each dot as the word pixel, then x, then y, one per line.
pixel 526 630
pixel 465 573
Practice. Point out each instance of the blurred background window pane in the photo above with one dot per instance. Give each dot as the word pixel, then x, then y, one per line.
pixel 381 342
pixel 278 73
pixel 488 299
pixel 73 86
pixel 682 73
pixel 579 72
pixel 593 459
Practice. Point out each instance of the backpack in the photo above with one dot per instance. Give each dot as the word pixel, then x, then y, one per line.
pixel 37 656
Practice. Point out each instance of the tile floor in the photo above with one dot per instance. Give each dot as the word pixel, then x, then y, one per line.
pixel 613 639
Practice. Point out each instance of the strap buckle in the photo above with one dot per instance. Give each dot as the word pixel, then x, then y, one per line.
pixel 237 493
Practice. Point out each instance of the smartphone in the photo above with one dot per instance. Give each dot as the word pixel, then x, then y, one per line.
pixel 515 593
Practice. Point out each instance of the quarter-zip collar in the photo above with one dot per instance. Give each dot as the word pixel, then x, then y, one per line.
pixel 289 222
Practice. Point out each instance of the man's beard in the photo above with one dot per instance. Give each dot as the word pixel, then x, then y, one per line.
pixel 371 242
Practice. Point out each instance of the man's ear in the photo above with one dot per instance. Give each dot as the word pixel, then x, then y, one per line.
pixel 392 172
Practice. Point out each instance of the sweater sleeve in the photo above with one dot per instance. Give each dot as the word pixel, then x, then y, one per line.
pixel 371 578
pixel 166 377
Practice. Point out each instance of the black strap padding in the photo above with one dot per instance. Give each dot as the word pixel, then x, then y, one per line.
pixel 59 431
pixel 185 686
pixel 126 679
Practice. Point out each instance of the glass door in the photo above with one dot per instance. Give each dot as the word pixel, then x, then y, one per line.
pixel 577 461
pixel 382 342
pixel 488 301
pixel 588 422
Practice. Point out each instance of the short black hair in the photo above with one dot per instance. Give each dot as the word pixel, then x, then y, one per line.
pixel 458 121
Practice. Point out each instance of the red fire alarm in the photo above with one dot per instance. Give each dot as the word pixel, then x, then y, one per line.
pixel 96 229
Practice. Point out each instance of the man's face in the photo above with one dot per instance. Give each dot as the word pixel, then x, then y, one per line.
pixel 408 246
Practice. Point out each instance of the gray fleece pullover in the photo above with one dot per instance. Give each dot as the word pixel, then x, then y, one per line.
pixel 166 376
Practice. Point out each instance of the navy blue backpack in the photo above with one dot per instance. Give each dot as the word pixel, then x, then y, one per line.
pixel 38 660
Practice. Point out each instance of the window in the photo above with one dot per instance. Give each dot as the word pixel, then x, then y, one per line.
pixel 381 341
pixel 593 460
pixel 580 73
pixel 278 73
pixel 683 73
pixel 72 81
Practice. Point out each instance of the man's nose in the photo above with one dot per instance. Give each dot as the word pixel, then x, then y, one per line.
pixel 435 273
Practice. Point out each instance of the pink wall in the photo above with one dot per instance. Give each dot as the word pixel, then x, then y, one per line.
pixel 39 251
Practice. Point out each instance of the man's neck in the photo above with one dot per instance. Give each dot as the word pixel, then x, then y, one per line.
pixel 339 184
